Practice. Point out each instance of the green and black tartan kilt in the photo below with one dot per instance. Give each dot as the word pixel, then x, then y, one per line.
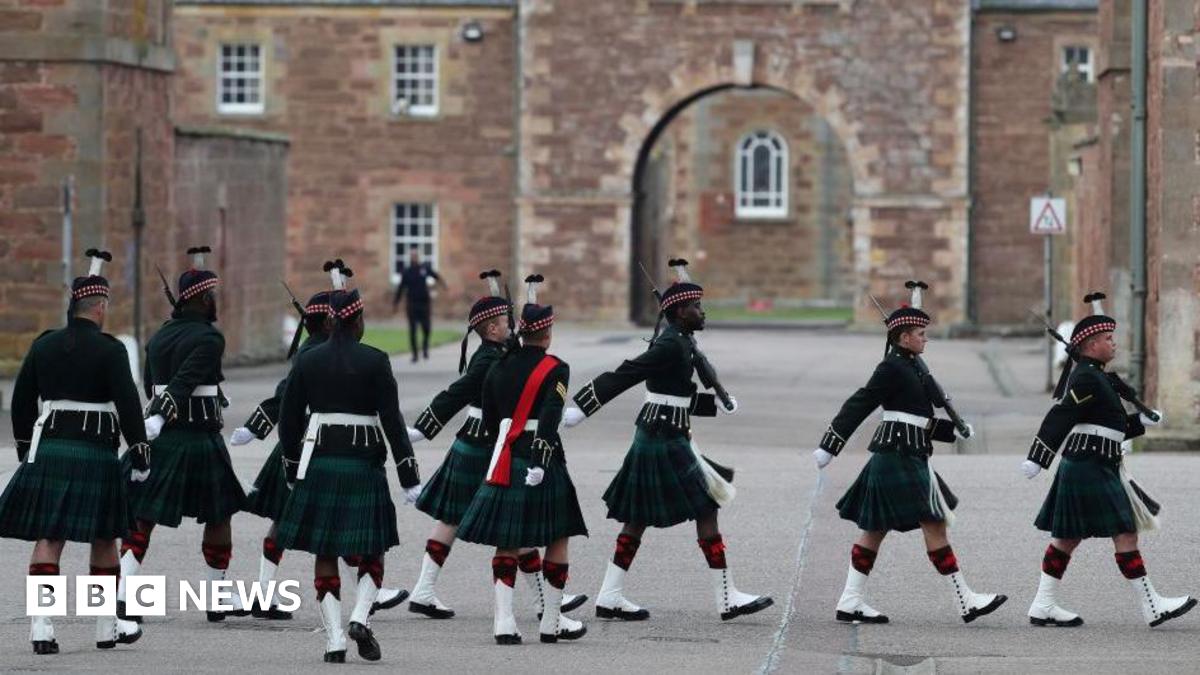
pixel 449 492
pixel 1086 499
pixel 519 516
pixel 72 491
pixel 893 492
pixel 190 476
pixel 660 483
pixel 342 507
pixel 270 491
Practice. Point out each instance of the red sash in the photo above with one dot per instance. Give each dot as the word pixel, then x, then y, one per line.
pixel 499 474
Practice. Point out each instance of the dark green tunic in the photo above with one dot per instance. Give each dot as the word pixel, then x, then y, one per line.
pixel 270 491
pixel 342 506
pixel 449 491
pixel 191 471
pixel 660 483
pixel 1087 498
pixel 521 516
pixel 73 490
pixel 894 491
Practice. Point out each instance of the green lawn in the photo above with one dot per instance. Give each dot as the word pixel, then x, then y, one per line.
pixel 780 314
pixel 395 340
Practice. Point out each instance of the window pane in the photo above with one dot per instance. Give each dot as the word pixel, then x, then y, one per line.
pixel 762 169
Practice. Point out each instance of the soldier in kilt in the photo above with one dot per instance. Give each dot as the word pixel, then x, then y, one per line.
pixel 193 474
pixel 449 491
pixel 270 491
pixel 664 481
pixel 68 486
pixel 527 499
pixel 1092 494
pixel 339 414
pixel 897 490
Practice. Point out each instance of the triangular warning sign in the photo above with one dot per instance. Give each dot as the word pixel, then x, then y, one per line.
pixel 1047 221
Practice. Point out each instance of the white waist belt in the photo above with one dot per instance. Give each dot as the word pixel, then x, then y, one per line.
pixel 1097 430
pixel 318 420
pixel 50 407
pixel 474 412
pixel 667 399
pixel 203 390
pixel 905 418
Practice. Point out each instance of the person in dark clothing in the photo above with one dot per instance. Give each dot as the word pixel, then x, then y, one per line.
pixel 415 279
pixel 68 485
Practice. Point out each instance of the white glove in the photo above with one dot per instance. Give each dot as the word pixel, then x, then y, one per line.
pixel 534 476
pixel 241 436
pixel 139 476
pixel 1030 468
pixel 1126 447
pixel 572 416
pixel 823 457
pixel 1147 422
pixel 727 411
pixel 154 426
pixel 412 494
pixel 970 432
pixel 415 436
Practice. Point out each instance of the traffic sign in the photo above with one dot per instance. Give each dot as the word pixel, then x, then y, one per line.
pixel 1047 215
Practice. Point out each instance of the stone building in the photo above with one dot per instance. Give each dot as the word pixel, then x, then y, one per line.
pixel 86 110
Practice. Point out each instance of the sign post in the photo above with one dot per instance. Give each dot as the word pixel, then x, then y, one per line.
pixel 1047 218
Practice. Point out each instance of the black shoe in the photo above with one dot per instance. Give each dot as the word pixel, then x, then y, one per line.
pixel 400 597
pixel 45 646
pixel 272 613
pixel 574 604
pixel 414 358
pixel 759 604
pixel 430 611
pixel 570 634
pixel 368 646
pixel 121 640
pixel 1053 623
pixel 508 639
pixel 622 615
pixel 336 657
pixel 1184 609
pixel 859 617
pixel 983 611
pixel 215 617
pixel 122 615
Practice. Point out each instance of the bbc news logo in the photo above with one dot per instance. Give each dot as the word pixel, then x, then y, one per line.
pixel 146 595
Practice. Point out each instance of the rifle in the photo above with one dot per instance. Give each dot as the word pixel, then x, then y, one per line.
pixel 704 368
pixel 166 286
pixel 513 341
pixel 943 399
pixel 1121 386
pixel 299 326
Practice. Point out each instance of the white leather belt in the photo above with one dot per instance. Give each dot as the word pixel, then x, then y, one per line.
pixel 474 412
pixel 318 420
pixel 905 418
pixel 1097 430
pixel 50 407
pixel 667 399
pixel 203 390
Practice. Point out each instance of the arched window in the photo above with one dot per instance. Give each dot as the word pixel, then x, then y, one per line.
pixel 762 176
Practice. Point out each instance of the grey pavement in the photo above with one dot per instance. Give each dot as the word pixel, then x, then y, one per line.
pixel 783 533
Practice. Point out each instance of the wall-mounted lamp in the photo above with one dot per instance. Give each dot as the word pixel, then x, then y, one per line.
pixel 1075 166
pixel 472 31
pixel 1006 33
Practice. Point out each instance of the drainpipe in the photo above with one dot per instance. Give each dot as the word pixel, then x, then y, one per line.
pixel 519 18
pixel 1137 200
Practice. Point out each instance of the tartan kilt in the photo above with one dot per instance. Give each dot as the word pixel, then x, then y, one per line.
pixel 519 516
pixel 270 491
pixel 73 491
pixel 660 483
pixel 190 476
pixel 893 492
pixel 342 507
pixel 1086 499
pixel 449 491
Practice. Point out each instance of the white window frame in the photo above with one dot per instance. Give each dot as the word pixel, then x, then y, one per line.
pixel 424 109
pixel 779 176
pixel 241 108
pixel 1087 68
pixel 403 243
